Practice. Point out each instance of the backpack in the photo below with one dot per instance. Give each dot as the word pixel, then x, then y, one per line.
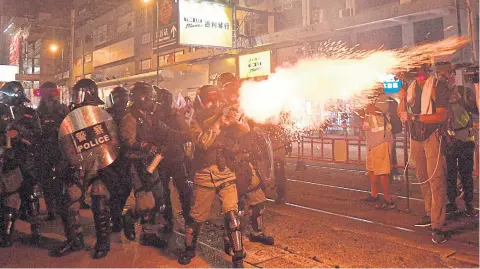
pixel 393 115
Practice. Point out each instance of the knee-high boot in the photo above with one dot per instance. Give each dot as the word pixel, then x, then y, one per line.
pixel 103 225
pixel 7 223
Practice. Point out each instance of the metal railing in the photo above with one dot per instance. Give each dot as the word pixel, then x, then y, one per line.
pixel 322 147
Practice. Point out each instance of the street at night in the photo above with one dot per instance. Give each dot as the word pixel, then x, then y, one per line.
pixel 239 134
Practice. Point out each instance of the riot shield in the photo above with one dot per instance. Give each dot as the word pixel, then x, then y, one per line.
pixel 88 138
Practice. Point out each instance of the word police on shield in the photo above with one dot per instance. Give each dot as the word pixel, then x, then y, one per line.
pixel 88 138
pixel 91 137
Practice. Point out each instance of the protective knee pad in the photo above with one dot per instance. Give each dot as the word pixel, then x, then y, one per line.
pixel 257 217
pixel 32 204
pixel 234 231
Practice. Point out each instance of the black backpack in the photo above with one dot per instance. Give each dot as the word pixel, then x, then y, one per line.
pixel 394 118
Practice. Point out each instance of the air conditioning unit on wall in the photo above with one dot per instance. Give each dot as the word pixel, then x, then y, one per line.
pixel 346 12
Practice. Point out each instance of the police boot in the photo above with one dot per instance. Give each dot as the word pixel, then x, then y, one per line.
pixel 33 211
pixel 74 236
pixel 257 225
pixel 191 238
pixel 117 221
pixel 7 226
pixel 103 226
pixel 129 220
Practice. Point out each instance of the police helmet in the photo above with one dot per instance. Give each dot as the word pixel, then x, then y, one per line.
pixel 231 91
pixel 206 96
pixel 164 96
pixel 224 78
pixel 143 96
pixel 118 95
pixel 47 89
pixel 85 92
pixel 13 94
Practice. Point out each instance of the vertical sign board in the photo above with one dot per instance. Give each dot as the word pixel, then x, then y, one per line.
pixel 14 54
pixel 205 24
pixel 167 31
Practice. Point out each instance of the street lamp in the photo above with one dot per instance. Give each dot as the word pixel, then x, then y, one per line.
pixel 154 32
pixel 54 48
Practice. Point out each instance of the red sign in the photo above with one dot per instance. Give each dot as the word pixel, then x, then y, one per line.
pixel 14 57
pixel 55 92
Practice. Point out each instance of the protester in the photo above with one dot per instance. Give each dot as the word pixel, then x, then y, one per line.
pixel 427 99
pixel 460 145
pixel 379 143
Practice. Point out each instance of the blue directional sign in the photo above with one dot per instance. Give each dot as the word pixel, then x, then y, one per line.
pixel 390 85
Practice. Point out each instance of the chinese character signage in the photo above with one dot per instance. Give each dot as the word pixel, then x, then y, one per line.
pixel 254 65
pixel 390 85
pixel 167 32
pixel 205 24
pixel 14 56
pixel 91 137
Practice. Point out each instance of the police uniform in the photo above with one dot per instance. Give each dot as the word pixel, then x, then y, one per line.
pixel 142 140
pixel 18 171
pixel 213 176
pixel 51 116
pixel 77 181
pixel 119 181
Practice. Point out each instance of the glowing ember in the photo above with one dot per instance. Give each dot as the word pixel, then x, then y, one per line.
pixel 336 73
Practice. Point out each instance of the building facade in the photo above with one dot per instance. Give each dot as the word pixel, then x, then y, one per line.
pixel 114 41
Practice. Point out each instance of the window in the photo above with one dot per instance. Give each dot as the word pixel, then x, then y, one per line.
pixel 78 42
pixel 370 4
pixel 255 24
pixel 146 38
pixel 428 30
pixel 389 38
pixel 146 64
pixel 289 15
pixel 88 58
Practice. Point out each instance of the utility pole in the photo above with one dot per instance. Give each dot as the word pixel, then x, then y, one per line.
pixel 72 45
pixel 472 31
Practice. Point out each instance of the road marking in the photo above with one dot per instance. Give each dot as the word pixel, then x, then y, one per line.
pixel 346 216
pixel 348 189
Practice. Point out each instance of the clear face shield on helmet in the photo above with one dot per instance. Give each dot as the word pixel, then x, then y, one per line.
pixel 78 96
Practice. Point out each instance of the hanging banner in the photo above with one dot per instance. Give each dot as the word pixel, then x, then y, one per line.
pixel 205 24
pixel 254 65
pixel 14 56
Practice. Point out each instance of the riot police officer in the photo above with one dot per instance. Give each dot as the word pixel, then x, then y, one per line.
pixel 76 181
pixel 20 127
pixel 253 162
pixel 51 113
pixel 120 181
pixel 212 175
pixel 142 138
pixel 173 166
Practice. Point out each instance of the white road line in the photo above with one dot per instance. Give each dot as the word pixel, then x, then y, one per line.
pixel 347 217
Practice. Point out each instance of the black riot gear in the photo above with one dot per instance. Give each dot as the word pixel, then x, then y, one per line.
pixel 231 92
pixel 143 96
pixel 207 96
pixel 13 94
pixel 163 104
pixel 119 96
pixel 84 93
pixel 225 78
pixel 48 91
